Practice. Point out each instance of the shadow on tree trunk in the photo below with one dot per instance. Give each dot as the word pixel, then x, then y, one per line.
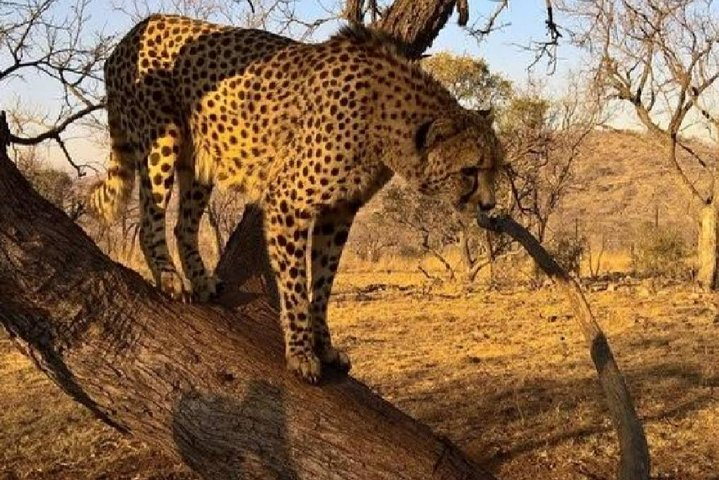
pixel 261 414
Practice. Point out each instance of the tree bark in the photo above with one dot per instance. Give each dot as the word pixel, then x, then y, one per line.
pixel 634 460
pixel 206 384
pixel 416 22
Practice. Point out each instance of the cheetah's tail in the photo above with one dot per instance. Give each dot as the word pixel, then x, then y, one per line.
pixel 108 197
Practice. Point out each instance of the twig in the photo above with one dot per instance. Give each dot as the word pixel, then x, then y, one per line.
pixel 490 25
pixel 547 48
pixel 78 168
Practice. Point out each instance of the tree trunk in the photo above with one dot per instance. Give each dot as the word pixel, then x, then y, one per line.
pixel 206 384
pixel 707 247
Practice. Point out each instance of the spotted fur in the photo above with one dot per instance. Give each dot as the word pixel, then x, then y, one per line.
pixel 309 131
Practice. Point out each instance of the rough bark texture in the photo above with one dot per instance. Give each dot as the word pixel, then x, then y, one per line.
pixel 707 246
pixel 205 383
pixel 417 21
pixel 634 461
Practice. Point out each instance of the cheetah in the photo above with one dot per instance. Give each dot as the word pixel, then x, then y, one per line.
pixel 308 131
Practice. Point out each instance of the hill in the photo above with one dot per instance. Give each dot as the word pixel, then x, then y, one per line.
pixel 624 179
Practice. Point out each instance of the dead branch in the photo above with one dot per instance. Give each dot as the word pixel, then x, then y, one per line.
pixel 490 24
pixel 634 462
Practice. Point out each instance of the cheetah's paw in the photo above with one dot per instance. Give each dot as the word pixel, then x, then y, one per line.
pixel 206 288
pixel 306 365
pixel 336 359
pixel 171 285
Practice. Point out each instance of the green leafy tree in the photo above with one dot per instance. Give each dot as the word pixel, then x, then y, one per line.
pixel 469 80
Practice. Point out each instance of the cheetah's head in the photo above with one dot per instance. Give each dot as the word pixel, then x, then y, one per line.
pixel 461 155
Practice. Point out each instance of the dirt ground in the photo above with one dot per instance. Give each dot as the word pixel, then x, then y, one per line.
pixel 504 374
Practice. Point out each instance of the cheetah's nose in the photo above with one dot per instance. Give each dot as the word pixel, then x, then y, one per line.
pixel 486 206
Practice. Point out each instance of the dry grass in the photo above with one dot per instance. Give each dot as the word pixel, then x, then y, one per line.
pixel 502 373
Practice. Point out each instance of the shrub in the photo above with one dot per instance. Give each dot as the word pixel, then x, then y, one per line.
pixel 659 252
pixel 568 249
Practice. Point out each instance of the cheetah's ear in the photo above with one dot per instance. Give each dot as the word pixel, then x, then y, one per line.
pixel 432 132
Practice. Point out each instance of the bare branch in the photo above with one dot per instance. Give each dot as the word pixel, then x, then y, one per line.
pixel 548 48
pixel 634 449
pixel 46 38
pixel 54 132
pixel 490 24
pixel 672 154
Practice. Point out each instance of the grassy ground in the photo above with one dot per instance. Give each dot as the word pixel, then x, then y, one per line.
pixel 502 373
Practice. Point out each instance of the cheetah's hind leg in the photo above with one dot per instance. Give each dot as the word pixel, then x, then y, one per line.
pixel 157 173
pixel 194 197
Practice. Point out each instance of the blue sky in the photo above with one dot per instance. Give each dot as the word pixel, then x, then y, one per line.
pixel 523 22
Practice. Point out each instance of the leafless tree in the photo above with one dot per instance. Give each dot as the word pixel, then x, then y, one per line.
pixel 433 223
pixel 371 238
pixel 660 58
pixel 50 39
pixel 543 139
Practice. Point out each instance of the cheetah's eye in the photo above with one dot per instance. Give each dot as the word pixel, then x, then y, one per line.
pixel 469 171
pixel 420 138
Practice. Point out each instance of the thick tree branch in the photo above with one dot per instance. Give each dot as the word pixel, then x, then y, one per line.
pixel 206 384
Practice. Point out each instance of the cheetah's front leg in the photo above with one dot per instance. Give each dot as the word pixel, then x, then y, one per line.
pixel 287 238
pixel 329 235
